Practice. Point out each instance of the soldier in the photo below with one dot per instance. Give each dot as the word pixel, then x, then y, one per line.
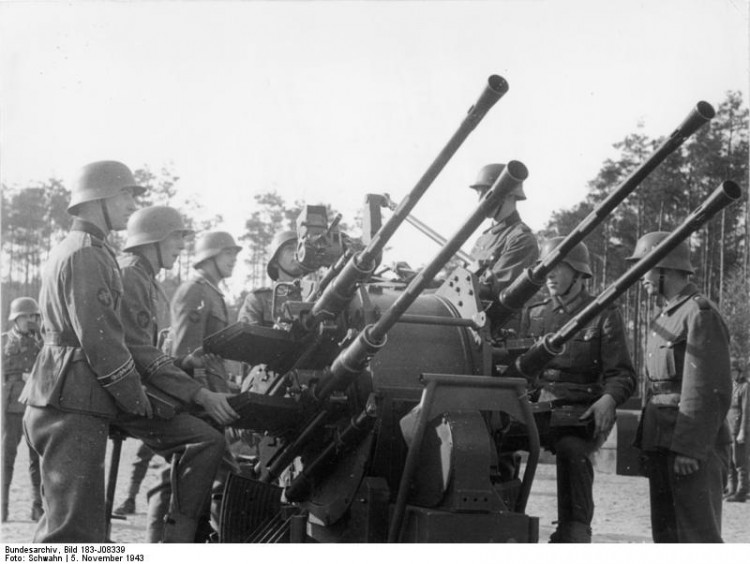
pixel 143 457
pixel 582 387
pixel 738 485
pixel 683 432
pixel 504 250
pixel 197 311
pixel 155 238
pixel 21 345
pixel 84 375
pixel 282 266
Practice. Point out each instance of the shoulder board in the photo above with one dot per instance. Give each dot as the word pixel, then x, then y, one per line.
pixel 703 303
pixel 539 304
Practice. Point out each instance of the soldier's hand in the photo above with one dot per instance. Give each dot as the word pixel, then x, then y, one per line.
pixel 216 406
pixel 685 465
pixel 603 411
pixel 195 359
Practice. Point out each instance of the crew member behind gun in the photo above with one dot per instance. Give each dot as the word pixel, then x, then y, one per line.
pixel 582 386
pixel 683 431
pixel 505 249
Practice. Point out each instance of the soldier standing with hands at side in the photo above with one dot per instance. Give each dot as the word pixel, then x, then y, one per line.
pixel 683 431
pixel 21 345
pixel 582 387
pixel 738 485
pixel 84 375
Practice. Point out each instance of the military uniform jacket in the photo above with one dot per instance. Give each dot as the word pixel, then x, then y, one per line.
pixel 502 253
pixel 198 310
pixel 84 354
pixel 140 306
pixel 19 353
pixel 256 309
pixel 689 381
pixel 595 362
pixel 738 418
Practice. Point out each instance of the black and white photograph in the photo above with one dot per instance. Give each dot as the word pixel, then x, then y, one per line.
pixel 424 272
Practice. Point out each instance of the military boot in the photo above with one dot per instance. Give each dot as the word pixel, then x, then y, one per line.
pixel 571 532
pixel 4 512
pixel 36 512
pixel 731 487
pixel 127 507
pixel 179 528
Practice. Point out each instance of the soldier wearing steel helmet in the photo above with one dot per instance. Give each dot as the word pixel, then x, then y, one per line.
pixel 582 386
pixel 504 250
pixel 155 238
pixel 198 308
pixel 683 431
pixel 84 375
pixel 283 267
pixel 20 346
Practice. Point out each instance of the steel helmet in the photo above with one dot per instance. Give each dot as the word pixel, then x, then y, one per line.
pixel 279 240
pixel 487 177
pixel 23 306
pixel 677 259
pixel 211 244
pixel 577 259
pixel 152 225
pixel 102 179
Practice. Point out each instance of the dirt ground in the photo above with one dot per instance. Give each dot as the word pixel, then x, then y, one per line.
pixel 622 514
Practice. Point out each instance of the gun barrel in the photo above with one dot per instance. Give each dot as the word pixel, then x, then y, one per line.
pixel 372 338
pixel 339 291
pixel 528 283
pixel 534 360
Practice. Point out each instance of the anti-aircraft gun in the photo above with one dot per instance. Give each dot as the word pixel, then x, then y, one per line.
pixel 349 365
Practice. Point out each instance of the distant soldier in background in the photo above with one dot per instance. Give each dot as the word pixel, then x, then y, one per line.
pixel 683 430
pixel 738 484
pixel 84 375
pixel 582 386
pixel 155 238
pixel 504 250
pixel 21 345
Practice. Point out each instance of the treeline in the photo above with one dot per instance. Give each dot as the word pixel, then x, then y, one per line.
pixel 34 219
pixel 720 251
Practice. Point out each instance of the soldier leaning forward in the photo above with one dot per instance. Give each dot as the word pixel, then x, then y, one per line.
pixel 683 431
pixel 84 374
pixel 154 241
pixel 20 347
pixel 581 387
pixel 503 251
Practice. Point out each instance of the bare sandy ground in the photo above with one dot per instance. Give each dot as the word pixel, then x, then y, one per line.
pixel 622 514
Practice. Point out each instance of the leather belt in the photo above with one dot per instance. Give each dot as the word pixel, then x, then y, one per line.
pixel 56 340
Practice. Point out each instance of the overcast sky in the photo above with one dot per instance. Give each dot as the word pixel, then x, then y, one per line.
pixel 326 101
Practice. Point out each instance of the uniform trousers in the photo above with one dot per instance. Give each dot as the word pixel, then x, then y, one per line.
pixel 686 508
pixel 72 449
pixel 11 436
pixel 575 478
pixel 138 471
pixel 199 448
pixel 738 468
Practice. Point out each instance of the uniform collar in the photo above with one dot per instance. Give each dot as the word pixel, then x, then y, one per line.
pixel 144 263
pixel 88 227
pixel 574 304
pixel 512 219
pixel 202 278
pixel 685 294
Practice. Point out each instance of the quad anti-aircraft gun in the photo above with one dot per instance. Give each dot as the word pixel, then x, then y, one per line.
pixel 381 417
